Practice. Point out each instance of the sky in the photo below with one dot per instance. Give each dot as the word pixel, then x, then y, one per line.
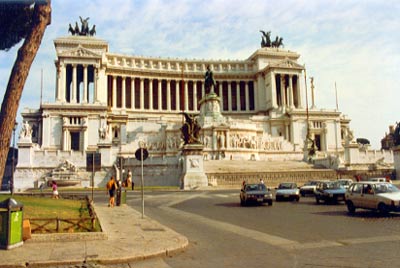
pixel 354 44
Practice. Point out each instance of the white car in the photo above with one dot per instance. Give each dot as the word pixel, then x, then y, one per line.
pixel 308 188
pixel 381 196
pixel 287 190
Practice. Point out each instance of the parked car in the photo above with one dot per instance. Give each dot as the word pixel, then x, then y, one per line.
pixel 287 190
pixel 256 193
pixel 381 179
pixel 308 188
pixel 329 191
pixel 345 182
pixel 381 196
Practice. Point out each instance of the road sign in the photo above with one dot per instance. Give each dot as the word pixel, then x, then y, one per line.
pixel 139 156
pixel 93 161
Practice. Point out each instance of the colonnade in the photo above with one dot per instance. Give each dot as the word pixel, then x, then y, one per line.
pixel 138 93
pixel 76 83
pixel 287 90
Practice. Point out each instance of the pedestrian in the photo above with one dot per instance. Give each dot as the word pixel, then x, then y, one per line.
pixel 130 180
pixel 111 187
pixel 261 181
pixel 55 190
pixel 243 184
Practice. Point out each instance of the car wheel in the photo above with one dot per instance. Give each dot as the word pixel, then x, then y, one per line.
pixel 270 202
pixel 383 209
pixel 242 203
pixel 317 200
pixel 303 194
pixel 277 198
pixel 350 207
pixel 297 198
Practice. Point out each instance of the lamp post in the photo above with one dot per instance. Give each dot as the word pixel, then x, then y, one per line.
pixel 13 160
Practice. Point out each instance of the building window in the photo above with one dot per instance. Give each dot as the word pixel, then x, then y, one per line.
pixel 75 141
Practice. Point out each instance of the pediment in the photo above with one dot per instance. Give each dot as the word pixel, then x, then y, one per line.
pixel 79 52
pixel 287 63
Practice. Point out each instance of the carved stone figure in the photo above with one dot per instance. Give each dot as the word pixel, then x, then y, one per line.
pixel 26 131
pixel 103 131
pixel 85 26
pixel 266 40
pixel 209 80
pixel 190 130
pixel 84 30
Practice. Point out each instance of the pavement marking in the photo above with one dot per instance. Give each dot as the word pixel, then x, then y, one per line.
pixel 273 240
pixel 256 235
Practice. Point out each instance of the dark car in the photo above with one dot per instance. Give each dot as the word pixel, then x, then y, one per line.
pixel 255 193
pixel 330 191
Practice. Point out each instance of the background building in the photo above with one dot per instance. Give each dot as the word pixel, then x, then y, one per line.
pixel 114 104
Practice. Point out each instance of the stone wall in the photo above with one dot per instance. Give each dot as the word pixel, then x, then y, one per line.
pixel 271 179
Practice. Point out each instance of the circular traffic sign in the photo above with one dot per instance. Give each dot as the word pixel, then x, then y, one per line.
pixel 141 156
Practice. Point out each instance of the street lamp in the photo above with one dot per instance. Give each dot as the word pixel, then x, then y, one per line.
pixel 13 159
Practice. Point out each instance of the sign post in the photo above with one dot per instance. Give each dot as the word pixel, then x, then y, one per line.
pixel 93 164
pixel 141 154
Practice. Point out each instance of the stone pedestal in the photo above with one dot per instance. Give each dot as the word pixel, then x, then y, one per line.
pixel 193 176
pixel 396 161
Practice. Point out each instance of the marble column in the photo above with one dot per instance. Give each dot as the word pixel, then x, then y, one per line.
pixel 63 81
pixel 74 79
pixel 168 95
pixel 151 94
pixel 195 101
pixel 177 95
pixel 132 93
pixel 283 91
pixel 59 82
pixel 246 89
pixel 273 90
pixel 123 103
pixel 85 84
pixel 229 96
pixel 186 94
pixel 291 100
pixel 141 93
pixel 159 94
pixel 114 92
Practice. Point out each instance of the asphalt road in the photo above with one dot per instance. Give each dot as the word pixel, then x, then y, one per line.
pixel 287 234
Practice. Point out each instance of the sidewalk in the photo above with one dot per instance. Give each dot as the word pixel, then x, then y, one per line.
pixel 127 237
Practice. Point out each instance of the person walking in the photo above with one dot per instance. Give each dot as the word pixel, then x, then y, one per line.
pixel 111 187
pixel 55 189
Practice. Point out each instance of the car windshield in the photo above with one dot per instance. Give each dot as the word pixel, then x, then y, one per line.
pixel 381 188
pixel 332 185
pixel 255 187
pixel 286 186
pixel 345 182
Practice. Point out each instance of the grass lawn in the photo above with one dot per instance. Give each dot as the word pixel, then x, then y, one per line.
pixel 46 208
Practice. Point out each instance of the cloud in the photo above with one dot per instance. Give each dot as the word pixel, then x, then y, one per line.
pixel 352 43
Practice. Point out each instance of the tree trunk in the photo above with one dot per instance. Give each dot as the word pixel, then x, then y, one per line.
pixel 26 54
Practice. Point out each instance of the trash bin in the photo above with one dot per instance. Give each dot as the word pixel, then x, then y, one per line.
pixel 123 196
pixel 11 218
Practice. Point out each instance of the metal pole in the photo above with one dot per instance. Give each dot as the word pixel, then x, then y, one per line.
pixel 13 161
pixel 141 159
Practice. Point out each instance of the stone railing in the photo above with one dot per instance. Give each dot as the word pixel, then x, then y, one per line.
pixel 271 179
pixel 178 65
